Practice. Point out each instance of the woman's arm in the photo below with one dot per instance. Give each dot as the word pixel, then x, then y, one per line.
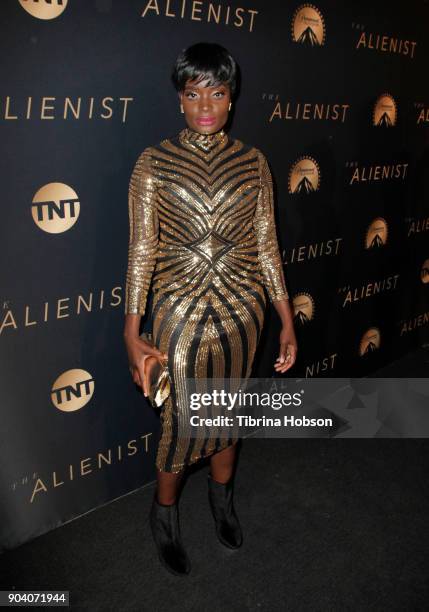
pixel 132 325
pixel 265 229
pixel 143 236
pixel 288 344
pixel 272 266
pixel 142 252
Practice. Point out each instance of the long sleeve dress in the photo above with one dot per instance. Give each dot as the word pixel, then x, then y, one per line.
pixel 202 230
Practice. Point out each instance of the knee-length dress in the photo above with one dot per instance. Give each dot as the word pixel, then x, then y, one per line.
pixel 202 231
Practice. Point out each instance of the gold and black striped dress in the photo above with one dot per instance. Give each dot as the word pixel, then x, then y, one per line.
pixel 202 230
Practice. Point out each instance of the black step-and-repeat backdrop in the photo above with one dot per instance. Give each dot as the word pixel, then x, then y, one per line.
pixel 334 94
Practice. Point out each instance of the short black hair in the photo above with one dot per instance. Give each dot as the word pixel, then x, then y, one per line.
pixel 203 61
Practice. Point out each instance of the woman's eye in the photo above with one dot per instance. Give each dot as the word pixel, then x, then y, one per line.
pixel 192 94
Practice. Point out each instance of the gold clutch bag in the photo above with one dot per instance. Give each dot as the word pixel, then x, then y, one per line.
pixel 156 374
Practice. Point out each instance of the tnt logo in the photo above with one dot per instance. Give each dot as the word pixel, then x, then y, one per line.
pixel 72 390
pixel 55 208
pixel 44 9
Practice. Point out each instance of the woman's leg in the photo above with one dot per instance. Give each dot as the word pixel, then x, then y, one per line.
pixel 221 484
pixel 222 464
pixel 164 522
pixel 168 486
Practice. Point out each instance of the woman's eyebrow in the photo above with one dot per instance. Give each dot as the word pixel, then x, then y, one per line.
pixel 221 86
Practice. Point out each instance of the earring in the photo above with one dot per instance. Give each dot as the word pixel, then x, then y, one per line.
pixel 229 107
pixel 181 108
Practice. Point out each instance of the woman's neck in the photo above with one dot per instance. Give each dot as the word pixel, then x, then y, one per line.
pixel 191 137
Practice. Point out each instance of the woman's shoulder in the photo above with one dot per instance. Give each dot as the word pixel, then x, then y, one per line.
pixel 147 152
pixel 161 147
pixel 145 164
pixel 146 159
pixel 151 149
pixel 259 157
pixel 253 154
pixel 248 147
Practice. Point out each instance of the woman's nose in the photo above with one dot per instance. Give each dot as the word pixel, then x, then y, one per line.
pixel 205 104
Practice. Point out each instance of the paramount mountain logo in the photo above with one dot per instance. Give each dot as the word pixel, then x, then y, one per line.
pixel 384 113
pixel 370 341
pixel 376 234
pixel 308 26
pixel 424 272
pixel 303 308
pixel 304 176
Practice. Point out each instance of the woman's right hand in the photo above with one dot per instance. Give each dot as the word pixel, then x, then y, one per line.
pixel 137 350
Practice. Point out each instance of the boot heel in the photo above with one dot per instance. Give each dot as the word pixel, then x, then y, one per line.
pixel 164 523
pixel 228 528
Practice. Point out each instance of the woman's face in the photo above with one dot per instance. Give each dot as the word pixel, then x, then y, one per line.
pixel 206 108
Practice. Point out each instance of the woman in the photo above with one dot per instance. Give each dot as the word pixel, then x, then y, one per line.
pixel 202 229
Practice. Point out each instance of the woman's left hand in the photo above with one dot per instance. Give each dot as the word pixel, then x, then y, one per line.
pixel 288 350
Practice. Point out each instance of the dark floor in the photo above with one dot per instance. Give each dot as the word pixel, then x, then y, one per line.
pixel 328 525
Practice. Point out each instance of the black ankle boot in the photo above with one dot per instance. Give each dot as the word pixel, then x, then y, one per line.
pixel 227 526
pixel 164 522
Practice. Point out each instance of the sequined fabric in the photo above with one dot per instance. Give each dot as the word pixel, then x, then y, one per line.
pixel 202 229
